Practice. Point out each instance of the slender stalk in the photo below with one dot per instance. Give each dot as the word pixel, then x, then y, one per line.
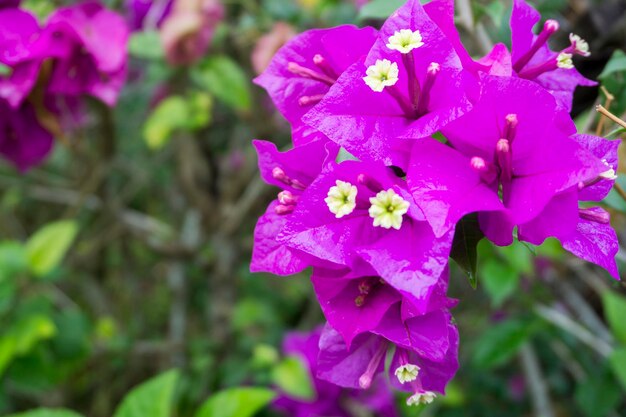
pixel 602 110
pixel 535 382
pixel 607 104
pixel 565 323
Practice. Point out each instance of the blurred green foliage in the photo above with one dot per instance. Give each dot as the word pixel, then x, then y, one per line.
pixel 90 306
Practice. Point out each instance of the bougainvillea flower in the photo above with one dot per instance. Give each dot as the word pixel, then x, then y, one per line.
pixel 147 14
pixel 410 85
pixel 532 58
pixel 592 239
pixel 303 70
pixel 362 211
pixel 442 13
pixel 188 30
pixel 330 399
pixel 424 361
pixel 89 43
pixel 355 301
pixel 509 156
pixel 18 33
pixel 22 139
pixel 287 171
pixel 9 3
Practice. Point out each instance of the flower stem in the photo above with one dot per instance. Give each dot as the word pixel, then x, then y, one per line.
pixel 602 110
pixel 414 84
pixel 607 104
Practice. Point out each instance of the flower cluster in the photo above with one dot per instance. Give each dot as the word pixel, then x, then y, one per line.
pixel 81 50
pixel 398 135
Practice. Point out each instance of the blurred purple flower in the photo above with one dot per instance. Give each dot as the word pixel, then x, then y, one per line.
pixel 268 44
pixel 20 52
pixel 147 14
pixel 23 140
pixel 330 399
pixel 89 43
pixel 9 3
pixel 188 29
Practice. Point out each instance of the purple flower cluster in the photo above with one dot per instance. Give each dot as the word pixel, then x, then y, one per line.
pixel 81 50
pixel 431 136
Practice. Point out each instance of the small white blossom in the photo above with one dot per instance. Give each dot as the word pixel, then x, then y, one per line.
pixel 564 60
pixel 418 398
pixel 405 40
pixel 580 45
pixel 407 373
pixel 610 173
pixel 387 209
pixel 341 198
pixel 383 73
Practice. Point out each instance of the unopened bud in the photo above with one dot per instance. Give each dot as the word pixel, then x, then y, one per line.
pixel 282 209
pixel 551 26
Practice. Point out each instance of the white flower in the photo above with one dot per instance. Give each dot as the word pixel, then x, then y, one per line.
pixel 610 173
pixel 418 398
pixel 383 73
pixel 387 209
pixel 580 45
pixel 341 198
pixel 405 40
pixel 564 60
pixel 407 373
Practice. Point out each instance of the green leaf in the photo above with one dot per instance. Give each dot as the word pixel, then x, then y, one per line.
pixel 379 9
pixel 500 280
pixel 618 365
pixel 224 78
pixel 47 247
pixel 22 337
pixel 614 80
pixel 598 395
pixel 200 108
pixel 13 259
pixel 615 312
pixel 31 330
pixel 617 63
pixel 41 8
pixel 146 45
pixel 236 402
pixel 5 70
pixel 171 114
pixel 495 10
pixel 47 412
pixel 615 133
pixel 153 398
pixel 466 238
pixel 292 376
pixel 501 342
pixel 520 256
pixel 344 155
